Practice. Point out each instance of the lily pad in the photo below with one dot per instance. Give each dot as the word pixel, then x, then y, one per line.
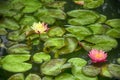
pixel 114 69
pixel 105 71
pixel 41 56
pixel 102 19
pixel 3 31
pixel 101 42
pixel 19 49
pixel 71 45
pixel 18 76
pixel 47 78
pixel 79 31
pixel 9 24
pixel 82 17
pixel 53 44
pixel 56 31
pixel 33 77
pixel 115 23
pixel 97 28
pixel 15 63
pixel 118 60
pixel 65 76
pixel 52 67
pixel 115 33
pixel 91 70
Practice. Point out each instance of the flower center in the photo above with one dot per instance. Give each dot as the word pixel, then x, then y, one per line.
pixel 98 56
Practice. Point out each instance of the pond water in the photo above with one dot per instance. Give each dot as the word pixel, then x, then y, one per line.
pixel 111 8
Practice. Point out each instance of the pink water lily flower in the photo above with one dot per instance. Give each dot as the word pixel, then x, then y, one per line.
pixel 97 56
pixel 39 27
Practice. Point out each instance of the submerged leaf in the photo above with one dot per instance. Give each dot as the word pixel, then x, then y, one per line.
pixel 52 67
pixel 118 60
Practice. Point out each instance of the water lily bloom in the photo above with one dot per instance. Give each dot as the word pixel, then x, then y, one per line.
pixel 39 27
pixel 97 56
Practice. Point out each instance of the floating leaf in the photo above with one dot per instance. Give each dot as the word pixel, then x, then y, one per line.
pixel 16 36
pixel 56 31
pixel 27 20
pixel 115 33
pixel 102 19
pixel 41 56
pixel 90 4
pixel 65 76
pixel 57 13
pixel 33 77
pixel 97 28
pixel 105 71
pixel 71 45
pixel 82 17
pixel 18 76
pixel 31 6
pixel 118 60
pixel 79 31
pixel 9 24
pixel 19 48
pixel 114 69
pixel 115 23
pixel 52 67
pixel 53 44
pixel 102 42
pixel 15 63
pixel 47 78
pixel 91 70
pixel 3 31
pixel 47 1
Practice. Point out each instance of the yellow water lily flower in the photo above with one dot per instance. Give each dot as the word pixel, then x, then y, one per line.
pixel 39 27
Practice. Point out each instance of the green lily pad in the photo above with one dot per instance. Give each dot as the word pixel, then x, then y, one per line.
pixel 56 4
pixel 18 76
pixel 16 36
pixel 71 45
pixel 33 77
pixel 52 67
pixel 82 17
pixel 118 60
pixel 47 1
pixel 97 28
pixel 57 13
pixel 53 44
pixel 31 6
pixel 27 20
pixel 19 49
pixel 47 78
pixel 90 4
pixel 65 76
pixel 56 31
pixel 115 23
pixel 101 42
pixel 114 69
pixel 3 31
pixel 105 71
pixel 115 33
pixel 9 24
pixel 41 56
pixel 91 70
pixel 102 19
pixel 79 31
pixel 15 63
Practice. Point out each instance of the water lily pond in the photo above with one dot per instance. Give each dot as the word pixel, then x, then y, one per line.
pixel 59 39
